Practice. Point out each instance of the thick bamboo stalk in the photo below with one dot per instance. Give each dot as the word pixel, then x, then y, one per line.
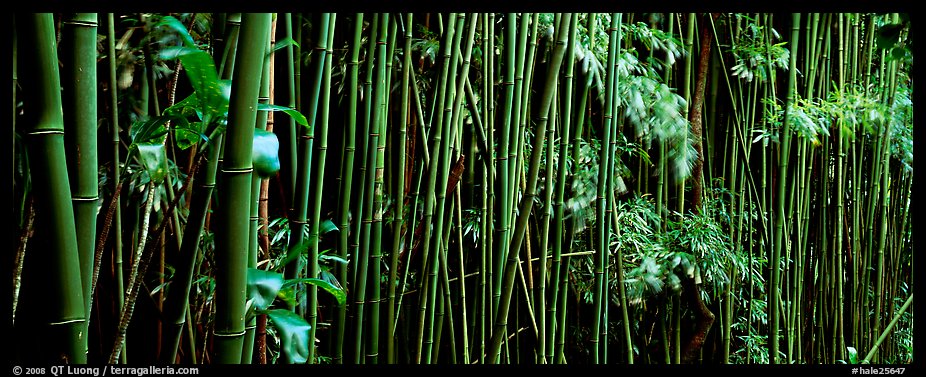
pixel 232 224
pixel 79 100
pixel 63 321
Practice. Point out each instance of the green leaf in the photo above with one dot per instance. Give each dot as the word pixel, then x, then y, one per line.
pixel 333 258
pixel 337 292
pixel 327 226
pixel 288 295
pixel 289 111
pixel 888 35
pixel 283 43
pixel 154 157
pixel 185 108
pixel 188 134
pixel 853 355
pixel 295 251
pixel 294 334
pixel 263 287
pixel 173 23
pixel 148 130
pixel 898 53
pixel 266 153
pixel 200 69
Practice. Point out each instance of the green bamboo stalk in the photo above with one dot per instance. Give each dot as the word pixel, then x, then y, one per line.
pixel 372 121
pixel 232 225
pixel 346 178
pixel 285 88
pixel 600 298
pixel 523 62
pixel 324 56
pixel 375 179
pixel 774 292
pixel 686 93
pixel 454 127
pixel 45 141
pixel 303 175
pixel 488 200
pixel 451 100
pixel 357 205
pixel 527 201
pixel 399 193
pixel 539 299
pixel 79 101
pixel 177 302
pixel 436 140
pixel 117 171
pixel 885 161
pixel 887 330
pixel 839 351
pixel 263 97
pixel 358 244
pixel 502 216
pixel 559 210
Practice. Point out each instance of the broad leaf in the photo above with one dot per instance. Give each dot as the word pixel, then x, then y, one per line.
pixel 148 130
pixel 176 25
pixel 263 287
pixel 187 135
pixel 266 153
pixel 154 157
pixel 338 293
pixel 296 115
pixel 888 35
pixel 294 334
pixel 295 251
pixel 200 69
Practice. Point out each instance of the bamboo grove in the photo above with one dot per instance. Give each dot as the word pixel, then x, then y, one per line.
pixel 472 188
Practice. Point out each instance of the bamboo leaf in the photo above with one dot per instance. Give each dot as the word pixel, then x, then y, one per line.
pixel 337 292
pixel 265 154
pixel 294 334
pixel 154 158
pixel 327 226
pixel 263 287
pixel 283 43
pixel 333 258
pixel 296 115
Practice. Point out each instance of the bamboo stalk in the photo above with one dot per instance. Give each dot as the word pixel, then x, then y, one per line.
pixel 231 260
pixel 55 215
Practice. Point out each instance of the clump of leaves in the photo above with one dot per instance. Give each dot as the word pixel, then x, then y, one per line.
pixel 756 53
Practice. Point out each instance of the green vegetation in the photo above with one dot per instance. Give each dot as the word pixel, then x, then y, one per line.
pixel 460 188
